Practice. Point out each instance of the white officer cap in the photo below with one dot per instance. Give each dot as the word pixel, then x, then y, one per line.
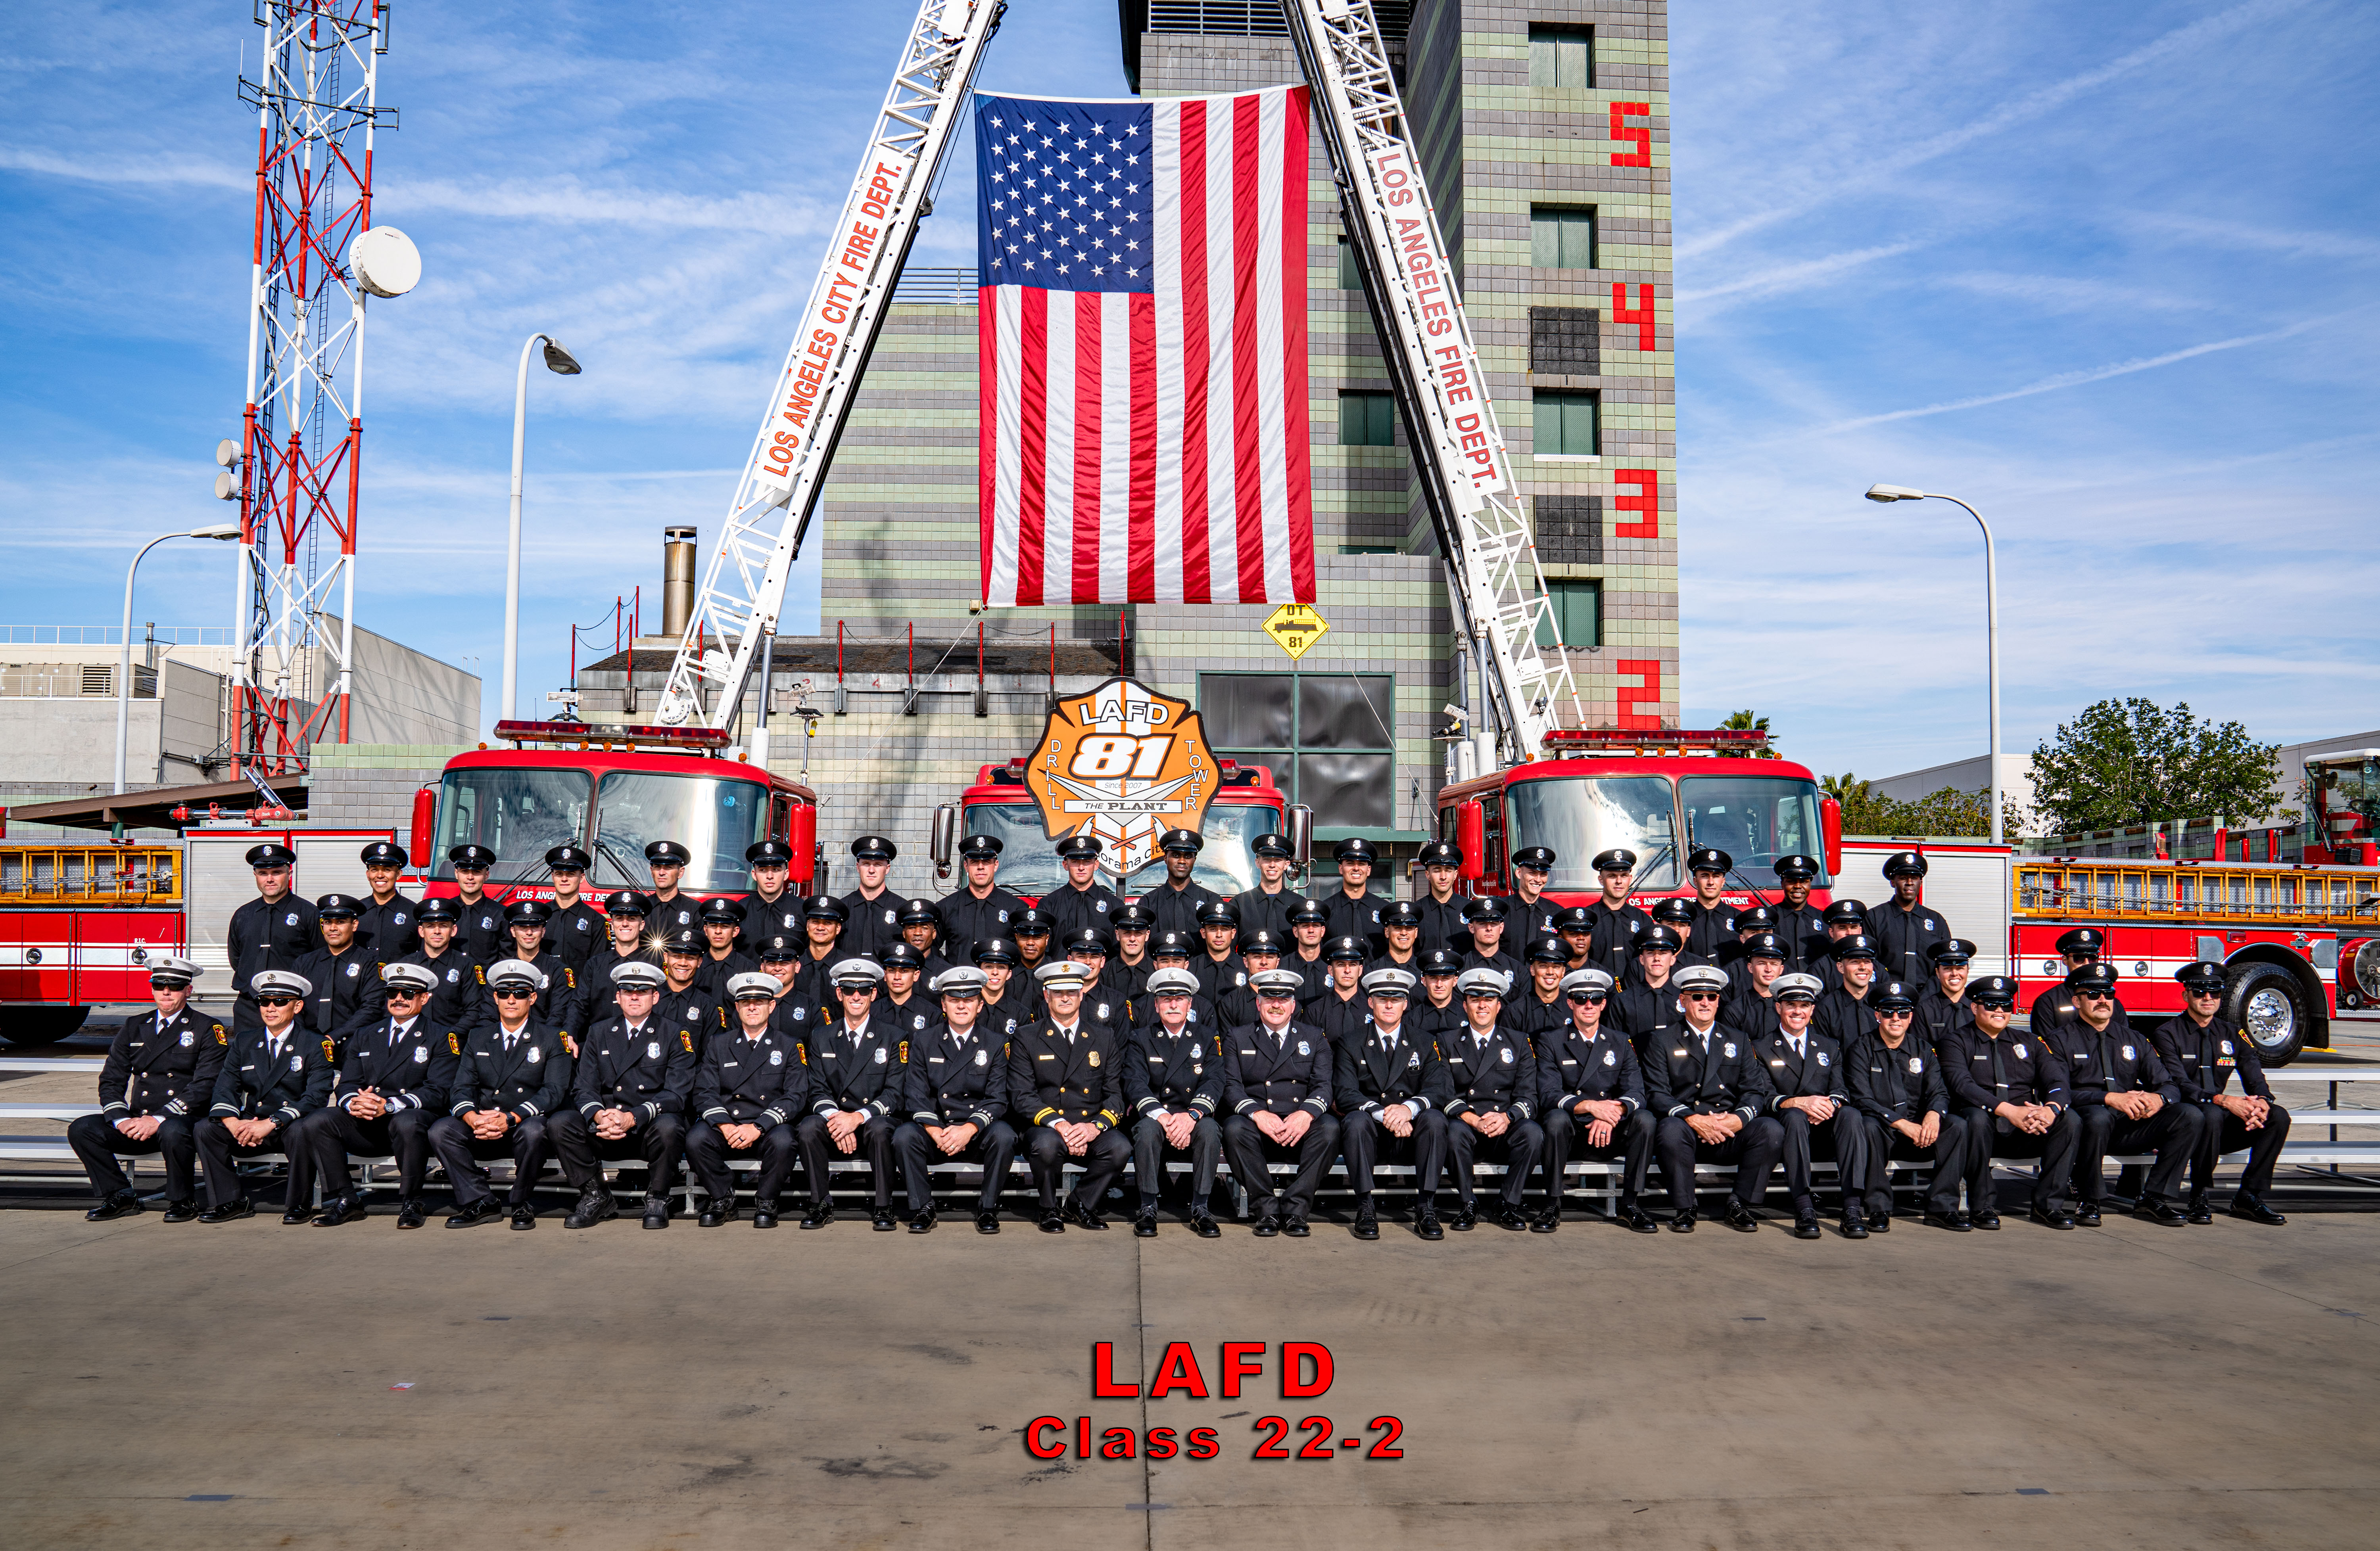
pixel 414 977
pixel 166 969
pixel 1700 977
pixel 278 983
pixel 1064 975
pixel 1390 981
pixel 515 975
pixel 1795 987
pixel 1173 983
pixel 1483 982
pixel 1588 979
pixel 1282 982
pixel 637 976
pixel 857 975
pixel 754 982
pixel 959 980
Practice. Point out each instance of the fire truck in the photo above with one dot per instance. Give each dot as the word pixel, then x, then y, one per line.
pixel 1247 804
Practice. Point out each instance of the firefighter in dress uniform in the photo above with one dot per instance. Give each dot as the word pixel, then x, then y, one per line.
pixel 1904 928
pixel 1592 1100
pixel 155 1084
pixel 1065 1079
pixel 2201 1048
pixel 1081 904
pixel 1709 1086
pixel 272 931
pixel 1611 945
pixel 2010 1089
pixel 1173 1084
pixel 394 1077
pixel 858 1069
pixel 384 926
pixel 1277 1084
pixel 1392 1092
pixel 1896 1087
pixel 982 910
pixel 512 1077
pixel 957 1101
pixel 1492 1101
pixel 1173 904
pixel 1807 1070
pixel 576 928
pixel 628 1093
pixel 2124 1101
pixel 753 1080
pixel 273 1076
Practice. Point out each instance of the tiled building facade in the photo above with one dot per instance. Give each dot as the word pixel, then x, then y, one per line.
pixel 1512 104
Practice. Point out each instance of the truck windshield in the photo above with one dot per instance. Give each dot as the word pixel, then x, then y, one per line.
pixel 1030 866
pixel 1754 820
pixel 712 818
pixel 518 814
pixel 1580 817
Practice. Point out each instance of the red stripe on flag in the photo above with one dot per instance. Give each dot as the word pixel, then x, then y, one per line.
pixel 1197 584
pixel 986 356
pixel 1247 429
pixel 1083 520
pixel 1295 428
pixel 1143 504
pixel 1032 431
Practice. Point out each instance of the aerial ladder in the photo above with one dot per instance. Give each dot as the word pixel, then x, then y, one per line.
pixel 1496 587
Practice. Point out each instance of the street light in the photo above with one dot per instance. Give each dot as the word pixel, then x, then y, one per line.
pixel 1991 617
pixel 562 363
pixel 123 667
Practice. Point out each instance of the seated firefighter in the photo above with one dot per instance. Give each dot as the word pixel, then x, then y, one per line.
pixel 511 1078
pixel 1593 1100
pixel 752 1082
pixel 1903 1104
pixel 1392 1095
pixel 157 1080
pixel 1173 1081
pixel 394 1074
pixel 627 1099
pixel 273 1077
pixel 955 1104
pixel 1491 1101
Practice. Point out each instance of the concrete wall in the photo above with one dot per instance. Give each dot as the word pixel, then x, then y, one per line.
pixel 353 784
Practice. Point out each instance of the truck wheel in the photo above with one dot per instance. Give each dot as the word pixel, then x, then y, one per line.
pixel 41 1025
pixel 2269 1007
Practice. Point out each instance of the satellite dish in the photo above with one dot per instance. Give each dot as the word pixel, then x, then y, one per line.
pixel 227 454
pixel 227 486
pixel 386 263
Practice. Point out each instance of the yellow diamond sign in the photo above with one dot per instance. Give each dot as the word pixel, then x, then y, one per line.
pixel 1295 626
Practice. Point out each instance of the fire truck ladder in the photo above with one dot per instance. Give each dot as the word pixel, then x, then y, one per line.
pixel 1495 585
pixel 745 587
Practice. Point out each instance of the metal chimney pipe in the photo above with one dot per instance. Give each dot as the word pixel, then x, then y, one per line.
pixel 677 581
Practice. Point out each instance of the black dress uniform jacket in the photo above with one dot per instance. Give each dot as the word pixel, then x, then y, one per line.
pixel 482 933
pixel 875 924
pixel 765 918
pixel 341 983
pixel 1612 946
pixel 163 1066
pixel 1647 1014
pixel 1366 1077
pixel 1889 1084
pixel 967 920
pixel 671 917
pixel 1279 1073
pixel 1358 917
pixel 1730 1077
pixel 1713 932
pixel 1818 1072
pixel 868 1076
pixel 1166 1071
pixel 1571 1067
pixel 913 1017
pixel 528 1081
pixel 1801 931
pixel 1338 1017
pixel 412 1071
pixel 1219 978
pixel 264 937
pixel 1261 912
pixel 1176 910
pixel 1072 910
pixel 1440 924
pixel 2014 1068
pixel 387 931
pixel 456 1000
pixel 2200 1062
pixel 1902 939
pixel 1079 1081
pixel 1531 920
pixel 256 1085
pixel 955 1082
pixel 1003 1018
pixel 696 1008
pixel 557 1007
pixel 646 1071
pixel 574 934
pixel 1499 1078
pixel 743 1081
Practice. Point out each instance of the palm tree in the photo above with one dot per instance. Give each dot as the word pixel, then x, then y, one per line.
pixel 1745 722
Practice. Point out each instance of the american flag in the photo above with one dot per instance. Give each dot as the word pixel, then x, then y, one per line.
pixel 1143 329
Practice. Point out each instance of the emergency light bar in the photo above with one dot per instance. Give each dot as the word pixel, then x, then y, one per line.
pixel 1614 739
pixel 578 735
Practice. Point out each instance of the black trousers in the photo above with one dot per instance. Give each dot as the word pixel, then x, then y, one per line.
pixel 1632 1140
pixel 1149 1148
pixel 1365 1141
pixel 1754 1150
pixel 706 1153
pixel 1102 1161
pixel 2227 1132
pixel 1948 1155
pixel 1518 1149
pixel 222 1156
pixel 2173 1133
pixel 96 1140
pixel 332 1134
pixel 459 1153
pixel 1997 1138
pixel 1841 1140
pixel 875 1139
pixel 994 1146
pixel 659 1141
pixel 1252 1155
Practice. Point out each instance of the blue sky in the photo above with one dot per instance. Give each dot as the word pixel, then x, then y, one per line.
pixel 2103 270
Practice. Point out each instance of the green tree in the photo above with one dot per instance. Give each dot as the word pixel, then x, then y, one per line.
pixel 2129 761
pixel 1949 812
pixel 1864 813
pixel 1744 721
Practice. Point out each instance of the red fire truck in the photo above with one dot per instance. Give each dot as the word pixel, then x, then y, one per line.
pixel 1247 804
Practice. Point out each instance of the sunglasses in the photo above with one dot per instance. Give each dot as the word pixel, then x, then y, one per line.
pixel 1586 999
pixel 277 1001
pixel 515 996
pixel 2094 996
pixel 1290 996
pixel 1701 995
pixel 2212 991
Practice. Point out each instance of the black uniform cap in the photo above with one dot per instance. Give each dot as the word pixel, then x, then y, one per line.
pixel 338 907
pixel 2094 976
pixel 1346 948
pixel 901 956
pixel 271 855
pixel 1574 919
pixel 722 912
pixel 1078 846
pixel 779 948
pixel 1355 849
pixel 768 852
pixel 1219 913
pixel 1796 868
pixel 980 848
pixel 667 854
pixel 1260 942
pixel 825 907
pixel 1891 996
pixel 1401 913
pixel 2202 975
pixel 1904 863
pixel 874 848
pixel 1617 859
pixel 1846 912
pixel 1548 951
pixel 1189 842
pixel 1309 912
pixel 684 940
pixel 1952 950
pixel 1484 907
pixel 1673 912
pixel 921 912
pixel 384 854
pixel 440 908
pixel 1090 939
pixel 1760 919
pixel 995 951
pixel 1764 945
pixel 1992 990
pixel 1134 918
pixel 1536 858
pixel 626 901
pixel 568 858
pixel 2085 940
pixel 1710 858
pixel 1030 923
pixel 472 856
pixel 1271 844
pixel 1659 938
pixel 1440 853
pixel 528 912
pixel 1171 945
pixel 1858 945
pixel 1439 960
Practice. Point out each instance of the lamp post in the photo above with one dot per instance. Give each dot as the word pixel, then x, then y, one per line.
pixel 124 666
pixel 1991 617
pixel 562 363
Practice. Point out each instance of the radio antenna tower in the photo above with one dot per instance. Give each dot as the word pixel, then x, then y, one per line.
pixel 298 462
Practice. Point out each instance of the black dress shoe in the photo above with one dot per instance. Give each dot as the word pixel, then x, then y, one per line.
pixel 294 1216
pixel 1267 1226
pixel 1741 1217
pixel 1367 1222
pixel 2052 1216
pixel 1987 1220
pixel 657 1212
pixel 1145 1225
pixel 820 1214
pixel 1854 1225
pixel 1426 1226
pixel 1879 1222
pixel 2246 1206
pixel 1637 1220
pixel 524 1217
pixel 411 1213
pixel 1950 1221
pixel 2165 1214
pixel 473 1213
pixel 988 1220
pixel 1547 1221
pixel 594 1206
pixel 2087 1214
pixel 1052 1221
pixel 243 1207
pixel 340 1209
pixel 1510 1219
pixel 1296 1226
pixel 1203 1226
pixel 123 1203
pixel 2200 1213
pixel 1683 1222
pixel 1086 1217
pixel 764 1214
pixel 882 1220
pixel 922 1222
pixel 181 1211
pixel 712 1216
pixel 1467 1218
pixel 1805 1225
